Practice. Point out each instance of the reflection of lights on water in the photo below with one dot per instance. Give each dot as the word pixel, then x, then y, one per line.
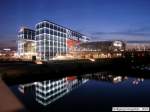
pixel 117 79
pixel 126 77
pixel 49 91
pixel 142 79
pixel 109 75
pixel 102 77
pixel 137 81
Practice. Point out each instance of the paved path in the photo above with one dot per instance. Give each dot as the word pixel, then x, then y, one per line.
pixel 8 101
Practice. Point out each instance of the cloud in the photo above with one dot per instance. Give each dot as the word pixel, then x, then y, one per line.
pixel 143 31
pixel 8 44
pixel 122 33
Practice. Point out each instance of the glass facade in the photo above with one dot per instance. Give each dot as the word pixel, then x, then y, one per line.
pixel 52 39
pixel 26 42
pixel 48 41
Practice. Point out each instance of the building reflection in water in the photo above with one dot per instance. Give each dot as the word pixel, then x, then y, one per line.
pixel 106 76
pixel 48 91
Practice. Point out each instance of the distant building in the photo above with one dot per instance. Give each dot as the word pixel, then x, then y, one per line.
pixel 102 46
pixel 53 39
pixel 138 45
pixel 7 53
pixel 26 43
pixel 99 49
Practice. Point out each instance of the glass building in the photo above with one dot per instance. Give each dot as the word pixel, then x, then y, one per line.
pixel 26 43
pixel 55 40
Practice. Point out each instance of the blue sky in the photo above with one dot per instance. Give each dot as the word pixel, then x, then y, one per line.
pixel 98 19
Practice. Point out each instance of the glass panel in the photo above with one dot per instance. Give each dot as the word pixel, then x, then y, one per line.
pixel 47 31
pixel 47 25
pixel 51 26
pixel 58 28
pixel 51 32
pixel 55 27
pixel 42 25
pixel 55 33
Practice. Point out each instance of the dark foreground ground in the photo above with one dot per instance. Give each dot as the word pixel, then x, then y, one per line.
pixel 20 72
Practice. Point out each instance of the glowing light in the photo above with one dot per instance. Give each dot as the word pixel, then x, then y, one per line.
pixel 117 79
pixel 67 57
pixel 21 30
pixel 92 60
pixel 6 49
pixel 117 43
pixel 39 62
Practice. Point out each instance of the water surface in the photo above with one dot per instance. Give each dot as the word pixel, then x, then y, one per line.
pixel 90 92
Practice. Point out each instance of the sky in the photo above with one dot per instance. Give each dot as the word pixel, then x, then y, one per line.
pixel 98 19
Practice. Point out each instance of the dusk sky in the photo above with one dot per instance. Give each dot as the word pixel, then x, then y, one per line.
pixel 98 19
